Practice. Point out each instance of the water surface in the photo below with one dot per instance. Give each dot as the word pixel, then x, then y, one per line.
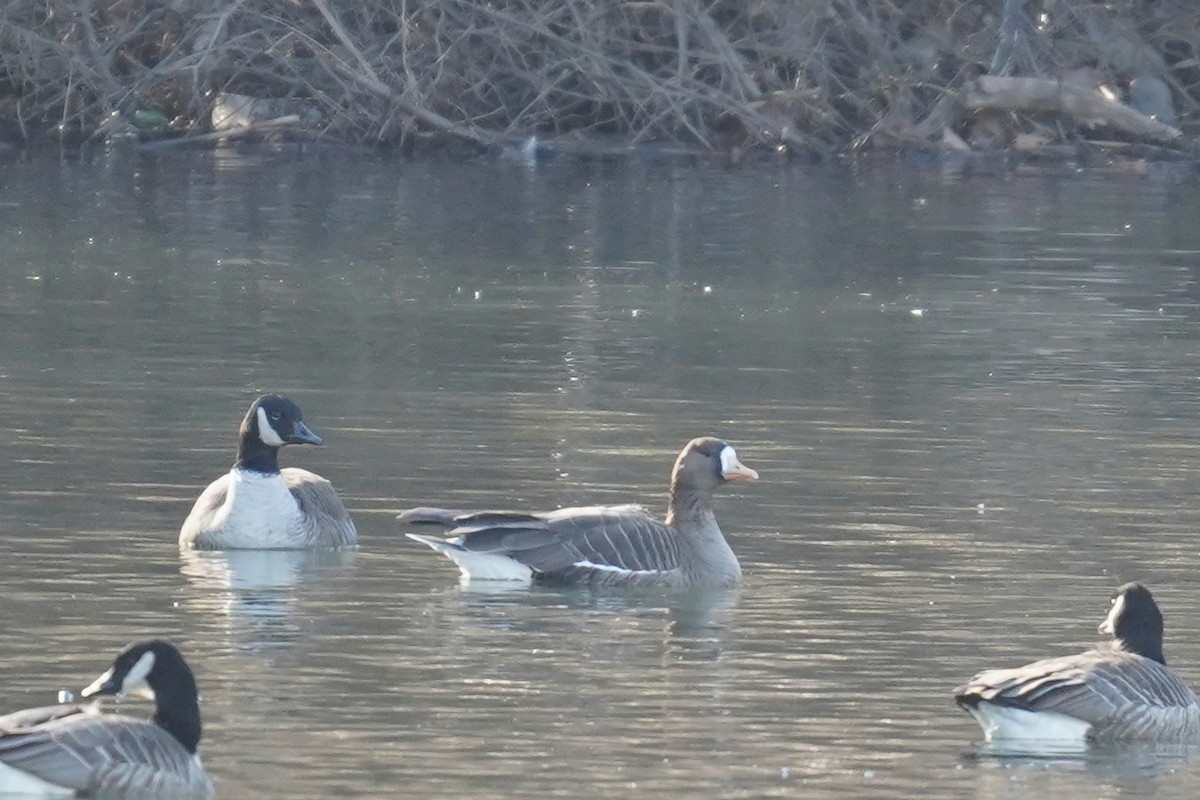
pixel 972 400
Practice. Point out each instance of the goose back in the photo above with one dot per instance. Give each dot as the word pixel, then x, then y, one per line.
pixel 1114 693
pixel 593 545
pixel 78 748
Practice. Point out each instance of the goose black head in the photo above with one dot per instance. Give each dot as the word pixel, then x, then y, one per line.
pixel 272 422
pixel 1135 622
pixel 155 669
pixel 143 669
pixel 707 463
pixel 275 421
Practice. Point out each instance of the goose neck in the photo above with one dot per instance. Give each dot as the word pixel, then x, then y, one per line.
pixel 254 455
pixel 178 713
pixel 1147 648
pixel 687 505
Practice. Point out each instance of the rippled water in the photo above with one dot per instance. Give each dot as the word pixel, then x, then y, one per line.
pixel 972 400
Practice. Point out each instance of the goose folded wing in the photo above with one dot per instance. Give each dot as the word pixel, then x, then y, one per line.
pixel 468 522
pixel 1092 686
pixel 617 537
pixel 481 521
pixel 1041 686
pixel 319 504
pixel 72 746
pixel 210 501
pixel 1143 682
pixel 604 537
pixel 426 515
pixel 142 758
pixel 506 533
pixel 29 719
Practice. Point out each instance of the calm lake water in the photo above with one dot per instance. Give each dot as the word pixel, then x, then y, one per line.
pixel 973 401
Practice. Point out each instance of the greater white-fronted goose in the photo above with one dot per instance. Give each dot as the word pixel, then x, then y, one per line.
pixel 78 750
pixel 603 544
pixel 1121 690
pixel 257 505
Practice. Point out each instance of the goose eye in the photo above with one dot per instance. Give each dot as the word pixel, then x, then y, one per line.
pixel 275 415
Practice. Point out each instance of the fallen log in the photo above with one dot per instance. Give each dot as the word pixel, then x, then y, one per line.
pixel 230 134
pixel 1088 106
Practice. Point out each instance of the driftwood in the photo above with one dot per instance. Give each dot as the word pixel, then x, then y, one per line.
pixel 231 134
pixel 1088 106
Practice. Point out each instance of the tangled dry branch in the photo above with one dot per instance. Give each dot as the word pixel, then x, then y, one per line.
pixel 820 76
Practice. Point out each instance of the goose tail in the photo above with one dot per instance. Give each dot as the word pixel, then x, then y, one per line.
pixel 425 515
pixel 474 565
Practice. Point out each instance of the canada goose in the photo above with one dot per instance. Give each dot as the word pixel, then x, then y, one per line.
pixel 258 506
pixel 77 749
pixel 1119 690
pixel 603 544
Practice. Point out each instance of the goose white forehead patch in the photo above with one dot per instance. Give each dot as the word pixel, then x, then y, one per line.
pixel 1109 626
pixel 265 432
pixel 729 459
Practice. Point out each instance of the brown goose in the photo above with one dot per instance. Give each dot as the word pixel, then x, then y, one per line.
pixel 257 505
pixel 1120 690
pixel 603 544
pixel 68 750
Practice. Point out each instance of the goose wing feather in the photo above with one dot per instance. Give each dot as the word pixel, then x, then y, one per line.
pixel 200 518
pixel 1097 686
pixel 327 520
pixel 81 749
pixel 425 515
pixel 616 537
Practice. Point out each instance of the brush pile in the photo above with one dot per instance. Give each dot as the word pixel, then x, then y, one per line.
pixel 817 77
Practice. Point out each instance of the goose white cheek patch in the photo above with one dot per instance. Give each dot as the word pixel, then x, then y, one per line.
pixel 133 683
pixel 266 432
pixel 1109 626
pixel 135 679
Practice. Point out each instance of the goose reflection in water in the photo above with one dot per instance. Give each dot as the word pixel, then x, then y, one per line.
pixel 1002 765
pixel 695 622
pixel 258 586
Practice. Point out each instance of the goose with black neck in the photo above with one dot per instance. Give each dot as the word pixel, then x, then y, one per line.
pixel 259 506
pixel 75 749
pixel 1120 690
